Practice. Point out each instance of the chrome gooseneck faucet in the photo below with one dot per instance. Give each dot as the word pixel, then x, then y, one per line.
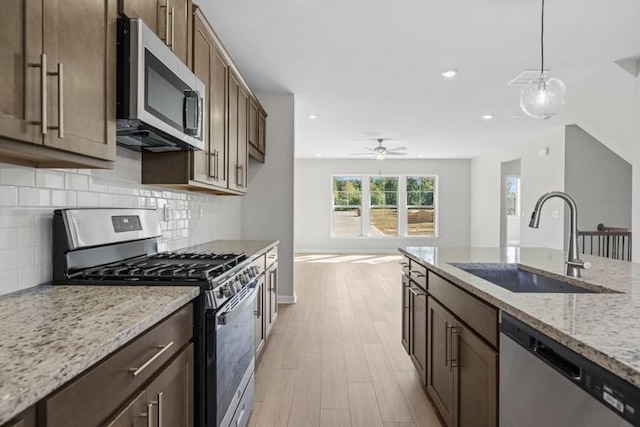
pixel 574 263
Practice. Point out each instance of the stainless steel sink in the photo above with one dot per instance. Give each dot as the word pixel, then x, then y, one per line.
pixel 515 279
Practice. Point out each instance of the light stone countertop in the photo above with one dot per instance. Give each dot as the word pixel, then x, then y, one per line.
pixel 603 327
pixel 51 334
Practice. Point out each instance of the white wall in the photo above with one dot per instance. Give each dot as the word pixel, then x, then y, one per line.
pixel 538 174
pixel 29 196
pixel 635 133
pixel 602 104
pixel 598 180
pixel 267 209
pixel 313 203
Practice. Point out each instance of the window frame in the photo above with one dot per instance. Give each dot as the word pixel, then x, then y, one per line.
pixel 401 206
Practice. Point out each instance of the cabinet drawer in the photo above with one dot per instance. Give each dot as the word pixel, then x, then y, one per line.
pixel 25 419
pixel 481 317
pixel 259 262
pixel 271 257
pixel 88 400
pixel 418 273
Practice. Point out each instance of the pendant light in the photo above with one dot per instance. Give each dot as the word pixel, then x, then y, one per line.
pixel 544 96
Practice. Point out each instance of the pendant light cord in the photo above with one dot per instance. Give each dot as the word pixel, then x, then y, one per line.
pixel 542 41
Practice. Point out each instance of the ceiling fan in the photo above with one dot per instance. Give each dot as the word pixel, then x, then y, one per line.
pixel 381 151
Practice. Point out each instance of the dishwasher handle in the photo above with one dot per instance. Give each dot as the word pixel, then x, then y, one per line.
pixel 560 363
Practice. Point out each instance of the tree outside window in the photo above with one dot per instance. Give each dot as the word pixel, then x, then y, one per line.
pixel 384 206
pixel 347 206
pixel 421 205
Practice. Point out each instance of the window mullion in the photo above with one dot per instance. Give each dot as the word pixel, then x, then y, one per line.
pixel 402 206
pixel 366 205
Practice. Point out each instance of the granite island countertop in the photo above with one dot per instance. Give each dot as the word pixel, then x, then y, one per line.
pixel 51 334
pixel 603 327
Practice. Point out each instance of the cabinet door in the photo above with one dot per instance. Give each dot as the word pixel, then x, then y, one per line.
pixel 243 137
pixel 253 123
pixel 271 297
pixel 135 414
pixel 179 31
pixel 218 133
pixel 20 75
pixel 25 419
pixel 234 176
pixel 262 132
pixel 150 11
pixel 475 370
pixel 439 370
pixel 418 330
pixel 80 44
pixel 405 313
pixel 258 310
pixel 171 393
pixel 203 53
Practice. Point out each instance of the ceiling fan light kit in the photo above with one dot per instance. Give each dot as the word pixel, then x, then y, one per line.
pixel 544 96
pixel 381 151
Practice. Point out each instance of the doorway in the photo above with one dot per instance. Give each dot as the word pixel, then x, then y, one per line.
pixel 510 204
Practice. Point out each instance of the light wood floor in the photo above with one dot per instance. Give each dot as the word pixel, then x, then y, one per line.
pixel 335 359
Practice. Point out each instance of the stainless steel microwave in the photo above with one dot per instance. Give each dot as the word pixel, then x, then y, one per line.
pixel 159 100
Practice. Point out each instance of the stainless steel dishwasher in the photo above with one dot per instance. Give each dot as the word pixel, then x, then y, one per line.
pixel 545 384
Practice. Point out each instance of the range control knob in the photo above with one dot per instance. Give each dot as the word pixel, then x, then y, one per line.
pixel 227 291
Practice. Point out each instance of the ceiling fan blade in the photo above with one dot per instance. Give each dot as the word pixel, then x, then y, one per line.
pixel 360 154
pixel 370 149
pixel 397 149
pixel 396 154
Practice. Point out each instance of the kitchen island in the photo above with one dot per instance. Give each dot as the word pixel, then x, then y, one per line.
pixel 450 320
pixel 52 334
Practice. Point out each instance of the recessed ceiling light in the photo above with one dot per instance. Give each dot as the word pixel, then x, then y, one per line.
pixel 420 155
pixel 313 116
pixel 487 116
pixel 516 116
pixel 318 155
pixel 449 74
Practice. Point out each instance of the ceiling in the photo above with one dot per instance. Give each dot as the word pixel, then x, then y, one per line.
pixel 371 68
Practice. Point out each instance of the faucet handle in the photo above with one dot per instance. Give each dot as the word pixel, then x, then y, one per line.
pixel 580 264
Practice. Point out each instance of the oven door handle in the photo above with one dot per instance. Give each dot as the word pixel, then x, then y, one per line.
pixel 226 318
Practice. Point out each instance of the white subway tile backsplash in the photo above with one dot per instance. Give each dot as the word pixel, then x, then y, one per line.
pixel 29 196
pixel 61 198
pixel 49 179
pixel 8 196
pixel 88 199
pixel 17 175
pixel 33 197
pixel 76 182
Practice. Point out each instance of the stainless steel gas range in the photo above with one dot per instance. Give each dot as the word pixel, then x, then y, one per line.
pixel 119 247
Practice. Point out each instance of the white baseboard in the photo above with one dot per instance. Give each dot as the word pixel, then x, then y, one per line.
pixel 346 251
pixel 287 299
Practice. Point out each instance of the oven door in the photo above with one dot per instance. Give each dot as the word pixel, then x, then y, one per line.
pixel 234 357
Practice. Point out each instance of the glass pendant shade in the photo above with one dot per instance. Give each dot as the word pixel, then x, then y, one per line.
pixel 543 97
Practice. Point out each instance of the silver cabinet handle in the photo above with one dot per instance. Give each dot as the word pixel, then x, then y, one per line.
pixel 454 347
pixel 173 29
pixel 416 293
pixel 137 371
pixel 43 95
pixel 216 177
pixel 404 264
pixel 419 274
pixel 60 74
pixel 149 415
pixel 240 417
pixel 166 23
pixel 447 328
pixel 160 399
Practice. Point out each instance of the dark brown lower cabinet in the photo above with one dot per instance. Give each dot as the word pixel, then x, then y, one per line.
pixel 440 385
pixel 134 414
pixel 462 371
pixel 418 329
pixel 166 401
pixel 258 310
pixel 405 313
pixel 25 419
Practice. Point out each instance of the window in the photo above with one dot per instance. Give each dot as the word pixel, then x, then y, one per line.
pixel 347 206
pixel 383 193
pixel 384 206
pixel 421 205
